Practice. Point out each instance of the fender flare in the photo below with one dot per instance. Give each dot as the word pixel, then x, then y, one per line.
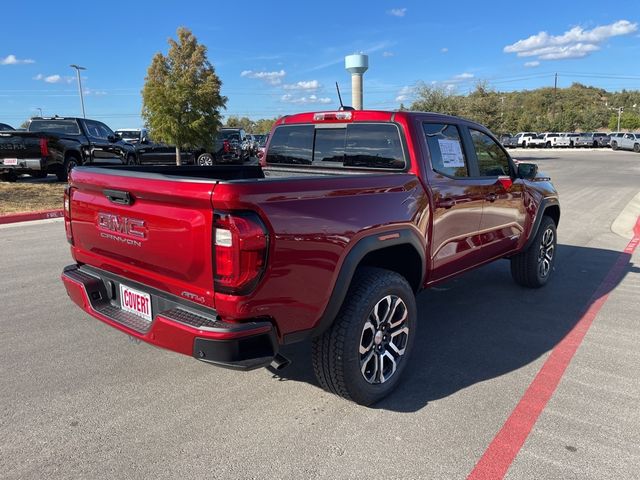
pixel 544 205
pixel 352 260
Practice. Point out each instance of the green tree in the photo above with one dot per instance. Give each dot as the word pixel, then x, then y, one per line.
pixel 181 99
pixel 241 122
pixel 436 99
pixel 264 125
pixel 24 124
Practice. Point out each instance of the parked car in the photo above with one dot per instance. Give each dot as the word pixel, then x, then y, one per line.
pixel 330 241
pixel 523 138
pixel 230 146
pixel 539 141
pixel 508 141
pixel 601 139
pixel 553 140
pixel 58 144
pixel 584 140
pixel 629 141
pixel 252 145
pixel 615 138
pixel 148 151
pixel 572 138
pixel 262 143
pixel 5 128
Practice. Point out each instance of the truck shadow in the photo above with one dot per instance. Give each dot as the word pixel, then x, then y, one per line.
pixel 482 325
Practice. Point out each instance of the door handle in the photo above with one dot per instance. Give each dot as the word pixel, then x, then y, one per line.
pixel 491 197
pixel 446 203
pixel 118 196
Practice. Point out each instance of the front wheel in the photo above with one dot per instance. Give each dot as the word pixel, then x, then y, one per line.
pixel 548 145
pixel 636 147
pixel 532 268
pixel 131 160
pixel 362 356
pixel 614 145
pixel 205 160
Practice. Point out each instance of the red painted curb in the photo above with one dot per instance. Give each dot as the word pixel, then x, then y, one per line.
pixel 28 216
pixel 503 449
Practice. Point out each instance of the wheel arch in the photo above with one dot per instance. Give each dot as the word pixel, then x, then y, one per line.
pixel 549 207
pixel 400 251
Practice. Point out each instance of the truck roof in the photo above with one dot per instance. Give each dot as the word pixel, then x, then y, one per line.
pixel 367 116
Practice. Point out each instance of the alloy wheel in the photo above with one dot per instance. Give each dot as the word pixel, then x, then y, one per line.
pixel 546 252
pixel 383 340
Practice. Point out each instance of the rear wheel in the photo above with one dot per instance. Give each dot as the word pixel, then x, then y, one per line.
pixel 547 145
pixel 69 164
pixel 131 159
pixel 524 144
pixel 636 148
pixel 532 268
pixel 10 176
pixel 362 356
pixel 205 160
pixel 614 145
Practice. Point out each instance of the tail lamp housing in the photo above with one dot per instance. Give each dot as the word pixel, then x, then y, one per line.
pixel 44 147
pixel 240 247
pixel 68 191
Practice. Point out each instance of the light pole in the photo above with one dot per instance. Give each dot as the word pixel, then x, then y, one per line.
pixel 620 110
pixel 78 68
pixel 40 110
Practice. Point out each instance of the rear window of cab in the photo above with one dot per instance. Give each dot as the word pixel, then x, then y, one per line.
pixel 354 145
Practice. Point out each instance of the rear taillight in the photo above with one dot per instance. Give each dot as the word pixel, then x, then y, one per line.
pixel 226 146
pixel 240 245
pixel 67 213
pixel 44 147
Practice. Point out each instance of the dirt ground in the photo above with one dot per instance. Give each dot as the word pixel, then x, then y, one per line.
pixel 28 197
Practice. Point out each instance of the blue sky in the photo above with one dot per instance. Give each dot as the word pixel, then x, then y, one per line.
pixel 286 56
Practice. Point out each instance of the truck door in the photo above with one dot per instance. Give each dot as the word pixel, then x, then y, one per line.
pixel 457 202
pixel 102 150
pixel 503 212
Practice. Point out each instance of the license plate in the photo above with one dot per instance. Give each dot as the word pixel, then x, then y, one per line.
pixel 136 302
pixel 10 161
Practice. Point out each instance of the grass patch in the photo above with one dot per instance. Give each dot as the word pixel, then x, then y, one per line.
pixel 30 197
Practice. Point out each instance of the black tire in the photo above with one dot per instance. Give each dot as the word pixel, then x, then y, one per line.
pixel 571 145
pixel 532 268
pixel 338 361
pixel 547 145
pixel 131 160
pixel 636 147
pixel 69 163
pixel 614 145
pixel 524 144
pixel 205 160
pixel 10 176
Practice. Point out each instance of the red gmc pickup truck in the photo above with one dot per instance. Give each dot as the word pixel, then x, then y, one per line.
pixel 351 214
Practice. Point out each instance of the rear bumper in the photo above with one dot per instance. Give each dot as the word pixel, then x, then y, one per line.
pixel 176 324
pixel 24 165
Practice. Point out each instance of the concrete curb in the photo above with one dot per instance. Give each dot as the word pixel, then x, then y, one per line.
pixel 29 216
pixel 624 223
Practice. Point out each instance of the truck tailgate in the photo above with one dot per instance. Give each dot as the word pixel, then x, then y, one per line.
pixel 17 146
pixel 153 231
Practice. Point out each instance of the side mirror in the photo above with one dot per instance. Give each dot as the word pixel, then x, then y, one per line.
pixel 113 138
pixel 144 140
pixel 527 171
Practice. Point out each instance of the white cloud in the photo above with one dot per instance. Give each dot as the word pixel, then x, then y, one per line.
pixel 272 78
pixel 444 50
pixel 13 60
pixel 388 54
pixel 404 94
pixel 464 76
pixel 397 12
pixel 287 98
pixel 53 79
pixel 535 63
pixel 574 43
pixel 303 85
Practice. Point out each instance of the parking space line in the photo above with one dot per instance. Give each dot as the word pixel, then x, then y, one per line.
pixel 506 445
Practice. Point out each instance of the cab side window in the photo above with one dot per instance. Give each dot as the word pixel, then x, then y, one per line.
pixel 445 149
pixel 492 160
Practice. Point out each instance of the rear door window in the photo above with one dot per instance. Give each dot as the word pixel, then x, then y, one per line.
pixel 445 149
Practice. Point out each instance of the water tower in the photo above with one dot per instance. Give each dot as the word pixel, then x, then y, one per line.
pixel 356 64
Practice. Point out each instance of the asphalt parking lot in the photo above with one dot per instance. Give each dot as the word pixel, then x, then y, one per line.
pixel 79 400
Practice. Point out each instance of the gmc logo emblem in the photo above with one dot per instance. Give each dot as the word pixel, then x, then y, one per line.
pixel 124 225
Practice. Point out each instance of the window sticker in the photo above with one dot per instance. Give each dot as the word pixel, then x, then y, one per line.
pixel 451 151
